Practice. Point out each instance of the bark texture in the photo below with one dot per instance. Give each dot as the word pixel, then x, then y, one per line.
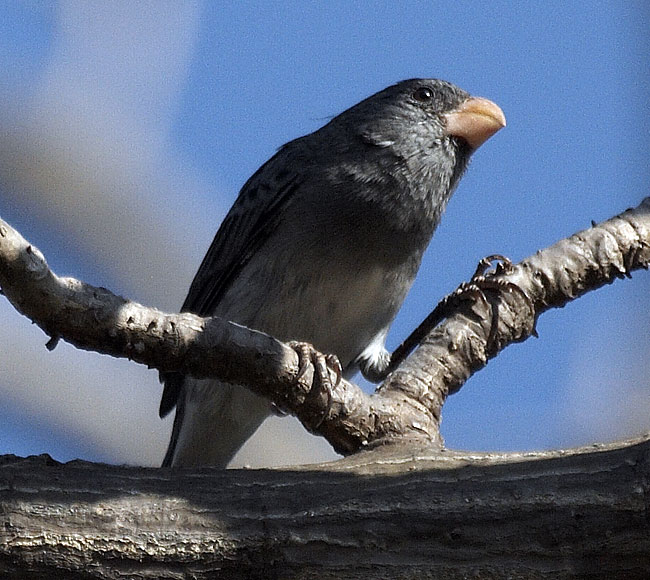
pixel 407 405
pixel 393 512
pixel 403 508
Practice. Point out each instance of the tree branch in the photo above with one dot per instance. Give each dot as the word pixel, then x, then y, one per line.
pixel 551 278
pixel 423 513
pixel 393 512
pixel 409 402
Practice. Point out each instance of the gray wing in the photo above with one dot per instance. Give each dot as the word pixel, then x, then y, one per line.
pixel 254 215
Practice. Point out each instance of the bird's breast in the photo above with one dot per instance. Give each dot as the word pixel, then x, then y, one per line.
pixel 335 292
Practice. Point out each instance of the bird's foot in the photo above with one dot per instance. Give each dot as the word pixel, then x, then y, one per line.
pixel 323 365
pixel 483 279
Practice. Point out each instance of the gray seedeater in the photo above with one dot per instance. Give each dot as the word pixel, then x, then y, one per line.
pixel 322 245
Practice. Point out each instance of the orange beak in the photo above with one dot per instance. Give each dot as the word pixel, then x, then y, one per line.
pixel 475 121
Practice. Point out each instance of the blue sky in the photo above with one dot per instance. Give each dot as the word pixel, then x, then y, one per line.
pixel 130 127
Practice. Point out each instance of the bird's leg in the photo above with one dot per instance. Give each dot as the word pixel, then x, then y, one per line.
pixel 323 364
pixel 474 289
pixel 466 291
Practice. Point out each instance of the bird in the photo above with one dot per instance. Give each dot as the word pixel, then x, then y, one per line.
pixel 322 245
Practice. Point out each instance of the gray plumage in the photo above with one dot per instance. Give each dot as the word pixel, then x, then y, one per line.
pixel 321 246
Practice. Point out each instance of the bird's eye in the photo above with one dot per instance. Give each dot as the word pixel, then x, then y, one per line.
pixel 423 94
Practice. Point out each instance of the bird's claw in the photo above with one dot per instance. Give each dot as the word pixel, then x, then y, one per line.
pixel 504 266
pixel 334 363
pixel 322 363
pixel 484 279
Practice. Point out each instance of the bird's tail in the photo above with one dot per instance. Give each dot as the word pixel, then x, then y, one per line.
pixel 213 420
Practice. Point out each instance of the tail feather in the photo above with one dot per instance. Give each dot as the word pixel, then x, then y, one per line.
pixel 171 392
pixel 178 422
pixel 213 420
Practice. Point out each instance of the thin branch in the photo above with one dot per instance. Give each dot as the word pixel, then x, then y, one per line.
pixel 551 278
pixel 408 404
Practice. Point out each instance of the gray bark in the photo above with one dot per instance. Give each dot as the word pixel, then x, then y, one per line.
pixel 392 512
pixel 403 508
pixel 407 405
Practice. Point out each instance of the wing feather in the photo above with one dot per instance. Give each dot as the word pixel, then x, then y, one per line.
pixel 249 223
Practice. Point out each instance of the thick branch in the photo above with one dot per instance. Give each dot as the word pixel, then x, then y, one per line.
pixel 392 512
pixel 408 404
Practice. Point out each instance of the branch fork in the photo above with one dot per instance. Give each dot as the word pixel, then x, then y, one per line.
pixel 499 308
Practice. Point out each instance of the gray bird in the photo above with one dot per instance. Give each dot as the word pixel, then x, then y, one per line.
pixel 322 245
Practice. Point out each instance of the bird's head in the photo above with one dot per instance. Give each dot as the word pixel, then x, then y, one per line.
pixel 424 115
pixel 413 141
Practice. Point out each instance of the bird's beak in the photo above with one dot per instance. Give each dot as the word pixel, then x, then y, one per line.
pixel 475 121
